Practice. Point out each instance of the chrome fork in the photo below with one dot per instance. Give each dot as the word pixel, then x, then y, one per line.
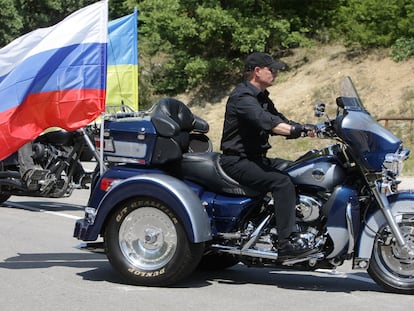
pixel 395 229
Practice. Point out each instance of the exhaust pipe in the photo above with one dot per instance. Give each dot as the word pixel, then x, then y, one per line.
pixel 247 252
pixel 9 174
pixel 312 258
pixel 13 183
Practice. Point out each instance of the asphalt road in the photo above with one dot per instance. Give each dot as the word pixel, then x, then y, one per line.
pixel 41 269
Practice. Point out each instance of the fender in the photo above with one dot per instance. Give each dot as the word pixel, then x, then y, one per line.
pixel 172 191
pixel 400 203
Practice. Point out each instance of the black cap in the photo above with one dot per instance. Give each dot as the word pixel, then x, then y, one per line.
pixel 258 59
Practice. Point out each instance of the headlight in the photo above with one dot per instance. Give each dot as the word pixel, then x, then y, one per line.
pixel 394 162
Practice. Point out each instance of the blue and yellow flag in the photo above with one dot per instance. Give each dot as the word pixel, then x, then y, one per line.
pixel 122 77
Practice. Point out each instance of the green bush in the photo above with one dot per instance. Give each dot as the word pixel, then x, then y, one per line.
pixel 200 44
pixel 402 49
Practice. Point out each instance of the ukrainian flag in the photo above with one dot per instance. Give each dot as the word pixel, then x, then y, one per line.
pixel 122 69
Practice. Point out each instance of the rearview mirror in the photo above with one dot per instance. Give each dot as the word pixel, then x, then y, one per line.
pixel 319 110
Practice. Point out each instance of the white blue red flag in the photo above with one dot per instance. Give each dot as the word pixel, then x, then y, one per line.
pixel 53 77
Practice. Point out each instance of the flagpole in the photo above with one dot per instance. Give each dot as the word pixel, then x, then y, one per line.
pixel 102 168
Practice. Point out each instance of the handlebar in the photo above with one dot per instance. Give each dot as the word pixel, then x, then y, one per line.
pixel 326 129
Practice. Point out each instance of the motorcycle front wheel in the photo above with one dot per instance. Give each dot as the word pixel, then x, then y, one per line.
pixel 389 266
pixel 146 243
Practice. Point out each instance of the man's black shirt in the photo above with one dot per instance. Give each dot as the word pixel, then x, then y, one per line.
pixel 248 121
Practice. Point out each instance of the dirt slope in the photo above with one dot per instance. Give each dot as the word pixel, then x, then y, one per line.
pixel 385 87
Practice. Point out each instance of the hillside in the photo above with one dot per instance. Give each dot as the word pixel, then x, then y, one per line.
pixel 385 87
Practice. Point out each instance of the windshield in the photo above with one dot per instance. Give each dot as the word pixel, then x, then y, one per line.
pixel 347 88
pixel 349 98
pixel 369 142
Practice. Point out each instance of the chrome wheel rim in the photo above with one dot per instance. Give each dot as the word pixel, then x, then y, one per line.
pixel 393 261
pixel 148 238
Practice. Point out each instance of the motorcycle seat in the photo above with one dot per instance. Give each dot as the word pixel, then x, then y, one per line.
pixel 204 169
pixel 59 137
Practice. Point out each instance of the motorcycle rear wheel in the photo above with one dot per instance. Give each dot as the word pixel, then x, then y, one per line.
pixel 146 243
pixel 389 267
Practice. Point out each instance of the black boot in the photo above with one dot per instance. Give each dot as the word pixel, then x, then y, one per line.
pixel 295 247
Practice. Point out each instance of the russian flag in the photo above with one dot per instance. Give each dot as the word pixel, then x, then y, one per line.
pixel 53 77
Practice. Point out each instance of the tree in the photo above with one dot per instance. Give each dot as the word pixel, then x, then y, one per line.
pixel 39 14
pixel 200 44
pixel 10 22
pixel 194 42
pixel 374 23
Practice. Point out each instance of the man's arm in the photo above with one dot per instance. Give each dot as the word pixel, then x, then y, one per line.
pixel 294 130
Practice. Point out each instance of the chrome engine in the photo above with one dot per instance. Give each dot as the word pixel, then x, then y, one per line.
pixel 308 208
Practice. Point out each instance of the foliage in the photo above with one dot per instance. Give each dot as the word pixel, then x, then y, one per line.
pixel 37 14
pixel 402 49
pixel 199 45
pixel 202 42
pixel 374 23
pixel 10 21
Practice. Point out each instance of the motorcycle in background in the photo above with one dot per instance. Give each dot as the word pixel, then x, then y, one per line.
pixel 58 153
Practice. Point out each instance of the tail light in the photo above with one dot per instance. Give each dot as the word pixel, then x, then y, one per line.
pixel 107 183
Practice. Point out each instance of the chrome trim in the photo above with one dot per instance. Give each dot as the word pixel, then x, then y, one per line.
pixel 313 258
pixel 90 214
pixel 387 212
pixel 350 227
pixel 256 234
pixel 247 252
pixel 394 162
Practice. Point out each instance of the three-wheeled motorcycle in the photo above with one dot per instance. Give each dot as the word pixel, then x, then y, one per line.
pixel 164 206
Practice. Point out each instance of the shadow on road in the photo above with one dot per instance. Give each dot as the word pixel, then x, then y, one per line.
pixel 38 206
pixel 101 271
pixel 97 268
pixel 296 280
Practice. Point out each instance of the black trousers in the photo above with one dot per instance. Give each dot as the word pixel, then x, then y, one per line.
pixel 262 174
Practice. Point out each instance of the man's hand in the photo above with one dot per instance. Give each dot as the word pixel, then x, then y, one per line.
pixel 310 130
pixel 301 130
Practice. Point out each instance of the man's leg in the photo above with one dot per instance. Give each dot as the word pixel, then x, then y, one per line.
pixel 261 175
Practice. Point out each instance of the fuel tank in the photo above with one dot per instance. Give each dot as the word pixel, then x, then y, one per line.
pixel 319 169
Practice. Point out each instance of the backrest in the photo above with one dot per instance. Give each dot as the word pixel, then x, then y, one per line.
pixel 170 116
pixel 173 122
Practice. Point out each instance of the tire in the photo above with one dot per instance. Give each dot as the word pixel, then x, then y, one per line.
pixel 217 261
pixel 390 268
pixel 4 197
pixel 146 243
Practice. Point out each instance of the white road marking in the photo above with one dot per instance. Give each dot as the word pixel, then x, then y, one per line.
pixel 35 209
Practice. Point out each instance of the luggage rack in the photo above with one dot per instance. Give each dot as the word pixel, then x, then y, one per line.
pixel 123 111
